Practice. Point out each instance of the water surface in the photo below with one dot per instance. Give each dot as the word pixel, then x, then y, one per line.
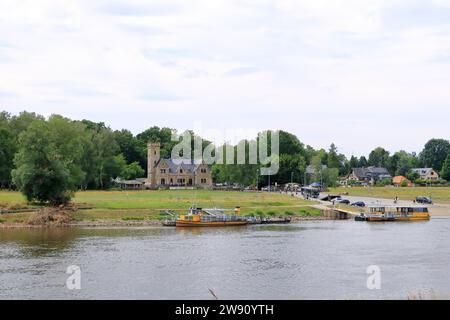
pixel 306 260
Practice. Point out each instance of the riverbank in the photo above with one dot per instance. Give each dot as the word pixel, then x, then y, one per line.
pixel 141 208
pixel 42 220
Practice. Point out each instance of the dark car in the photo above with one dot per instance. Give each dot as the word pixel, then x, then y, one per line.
pixel 343 201
pixel 425 200
pixel 358 204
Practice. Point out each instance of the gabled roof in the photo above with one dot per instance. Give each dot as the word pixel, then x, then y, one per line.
pixel 371 172
pixel 422 171
pixel 399 179
pixel 174 167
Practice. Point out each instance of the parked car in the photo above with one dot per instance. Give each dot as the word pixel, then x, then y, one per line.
pixel 358 204
pixel 343 201
pixel 425 200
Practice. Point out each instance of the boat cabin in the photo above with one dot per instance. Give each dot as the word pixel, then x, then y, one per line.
pixel 398 210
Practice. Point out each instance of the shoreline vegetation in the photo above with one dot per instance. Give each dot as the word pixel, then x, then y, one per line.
pixel 141 208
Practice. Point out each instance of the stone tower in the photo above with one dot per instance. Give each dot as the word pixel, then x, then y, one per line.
pixel 153 156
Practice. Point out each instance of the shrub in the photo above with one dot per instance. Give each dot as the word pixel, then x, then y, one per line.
pixel 133 218
pixel 289 213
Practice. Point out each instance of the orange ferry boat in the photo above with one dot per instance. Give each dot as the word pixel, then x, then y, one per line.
pixel 198 217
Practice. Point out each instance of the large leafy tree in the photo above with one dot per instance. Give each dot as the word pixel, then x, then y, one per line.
pixel 378 157
pixel 445 172
pixel 7 150
pixel 129 146
pixel 48 166
pixel 434 153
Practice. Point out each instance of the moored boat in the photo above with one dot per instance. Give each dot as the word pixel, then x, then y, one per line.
pixel 395 213
pixel 198 217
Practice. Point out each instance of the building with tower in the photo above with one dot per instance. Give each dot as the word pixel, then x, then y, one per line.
pixel 170 173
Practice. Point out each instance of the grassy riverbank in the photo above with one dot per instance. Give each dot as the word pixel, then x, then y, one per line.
pixel 146 205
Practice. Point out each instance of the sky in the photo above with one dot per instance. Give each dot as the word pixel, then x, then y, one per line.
pixel 361 74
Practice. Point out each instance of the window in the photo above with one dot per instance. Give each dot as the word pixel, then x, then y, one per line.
pixel 203 181
pixel 181 170
pixel 163 170
pixel 203 170
pixel 163 182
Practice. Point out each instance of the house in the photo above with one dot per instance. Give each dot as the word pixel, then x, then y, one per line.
pixel 399 180
pixel 426 173
pixel 131 184
pixel 369 174
pixel 170 173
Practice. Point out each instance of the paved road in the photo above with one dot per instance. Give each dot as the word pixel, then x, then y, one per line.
pixel 437 209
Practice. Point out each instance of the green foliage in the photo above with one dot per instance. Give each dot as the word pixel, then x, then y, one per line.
pixel 48 164
pixel 133 218
pixel 132 171
pixel 260 213
pixel 378 157
pixel 7 150
pixel 412 176
pixel 434 153
pixel 89 155
pixel 445 172
pixel 384 182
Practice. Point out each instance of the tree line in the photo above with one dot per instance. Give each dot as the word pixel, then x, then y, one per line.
pixel 49 159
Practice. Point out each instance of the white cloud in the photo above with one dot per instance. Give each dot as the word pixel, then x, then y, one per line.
pixel 357 73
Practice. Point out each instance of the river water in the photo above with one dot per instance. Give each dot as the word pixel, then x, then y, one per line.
pixel 305 260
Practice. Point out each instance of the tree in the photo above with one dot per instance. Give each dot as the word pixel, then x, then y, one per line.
pixel 434 153
pixel 132 171
pixel 7 150
pixel 353 163
pixel 445 172
pixel 48 161
pixel 129 146
pixel 330 177
pixel 362 163
pixel 412 176
pixel 333 160
pixel 105 165
pixel 378 157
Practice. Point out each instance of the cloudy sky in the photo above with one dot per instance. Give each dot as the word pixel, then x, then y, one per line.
pixel 357 73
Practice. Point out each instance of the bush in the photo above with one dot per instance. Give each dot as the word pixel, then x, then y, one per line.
pixel 260 213
pixel 289 213
pixel 133 218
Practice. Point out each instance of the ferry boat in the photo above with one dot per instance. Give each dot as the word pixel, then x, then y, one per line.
pixel 395 213
pixel 198 217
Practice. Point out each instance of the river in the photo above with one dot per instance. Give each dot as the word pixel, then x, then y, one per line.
pixel 304 260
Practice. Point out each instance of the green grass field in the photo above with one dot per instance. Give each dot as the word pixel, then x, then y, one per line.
pixel 439 194
pixel 138 205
